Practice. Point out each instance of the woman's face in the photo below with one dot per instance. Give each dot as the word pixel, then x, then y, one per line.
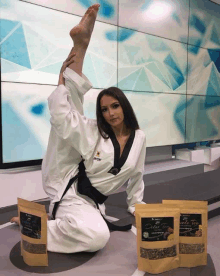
pixel 112 111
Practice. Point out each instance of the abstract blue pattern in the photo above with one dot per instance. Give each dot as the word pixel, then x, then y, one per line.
pixel 159 65
pixel 174 70
pixel 177 18
pixel 107 12
pixel 179 116
pixel 15 49
pixel 204 72
pixel 167 18
pixel 159 46
pixel 24 46
pixel 154 68
pixel 204 24
pixel 211 102
pixel 122 35
pixel 197 23
pixel 199 124
pixel 26 146
pixel 215 57
pixel 6 26
pixel 168 74
pixel 52 69
pixel 162 121
pixel 38 109
pixel 195 49
pixel 146 5
pixel 24 49
pixel 38 47
pixel 214 36
pixel 106 8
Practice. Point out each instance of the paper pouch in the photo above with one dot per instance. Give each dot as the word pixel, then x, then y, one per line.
pixel 157 237
pixel 193 231
pixel 33 228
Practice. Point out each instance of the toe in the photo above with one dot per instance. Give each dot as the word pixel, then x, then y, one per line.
pixel 14 219
pixel 96 6
pixel 88 10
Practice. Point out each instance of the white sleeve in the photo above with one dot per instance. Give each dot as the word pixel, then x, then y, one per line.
pixel 135 188
pixel 66 110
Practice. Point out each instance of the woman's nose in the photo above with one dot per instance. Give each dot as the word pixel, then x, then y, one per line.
pixel 111 112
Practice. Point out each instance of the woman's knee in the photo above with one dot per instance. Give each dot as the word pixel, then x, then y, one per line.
pixel 99 239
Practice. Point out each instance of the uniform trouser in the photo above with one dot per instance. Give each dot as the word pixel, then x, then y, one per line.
pixel 78 227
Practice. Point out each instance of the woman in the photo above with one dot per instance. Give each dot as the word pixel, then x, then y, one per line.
pixel 110 150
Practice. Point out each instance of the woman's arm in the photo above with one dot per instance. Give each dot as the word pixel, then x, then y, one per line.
pixel 66 110
pixel 135 188
pixel 67 62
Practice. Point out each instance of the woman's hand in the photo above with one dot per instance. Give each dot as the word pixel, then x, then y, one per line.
pixel 66 63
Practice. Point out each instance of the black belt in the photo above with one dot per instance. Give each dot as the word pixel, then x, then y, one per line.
pixel 85 187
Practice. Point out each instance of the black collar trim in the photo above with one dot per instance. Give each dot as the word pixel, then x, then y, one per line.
pixel 119 161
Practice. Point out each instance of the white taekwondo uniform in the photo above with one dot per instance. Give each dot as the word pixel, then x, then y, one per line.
pixel 79 225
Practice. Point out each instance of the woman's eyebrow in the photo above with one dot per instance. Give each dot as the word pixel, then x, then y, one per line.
pixel 111 104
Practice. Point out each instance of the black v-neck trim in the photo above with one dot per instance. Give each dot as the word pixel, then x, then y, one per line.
pixel 119 161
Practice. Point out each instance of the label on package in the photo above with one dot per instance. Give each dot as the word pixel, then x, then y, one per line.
pixel 191 225
pixel 30 225
pixel 157 228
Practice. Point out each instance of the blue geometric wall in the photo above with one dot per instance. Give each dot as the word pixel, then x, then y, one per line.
pixel 165 56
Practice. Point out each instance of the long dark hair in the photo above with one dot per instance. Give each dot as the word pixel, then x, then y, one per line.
pixel 130 119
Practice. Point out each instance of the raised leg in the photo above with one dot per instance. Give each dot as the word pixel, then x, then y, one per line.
pixel 81 35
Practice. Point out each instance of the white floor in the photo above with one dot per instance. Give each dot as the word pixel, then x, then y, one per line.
pixel 214 242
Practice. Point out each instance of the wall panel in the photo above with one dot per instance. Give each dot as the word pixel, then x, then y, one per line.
pixel 35 42
pixel 204 24
pixel 203 71
pixel 107 13
pixel 164 18
pixel 150 63
pixel 165 56
pixel 203 118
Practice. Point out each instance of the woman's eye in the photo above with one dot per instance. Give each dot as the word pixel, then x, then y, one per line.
pixel 116 105
pixel 104 109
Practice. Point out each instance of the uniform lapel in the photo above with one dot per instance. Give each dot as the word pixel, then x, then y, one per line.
pixel 119 161
pixel 127 149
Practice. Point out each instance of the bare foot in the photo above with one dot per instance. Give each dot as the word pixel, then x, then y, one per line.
pixel 16 220
pixel 81 33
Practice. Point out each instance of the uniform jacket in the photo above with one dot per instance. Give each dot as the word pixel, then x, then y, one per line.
pixel 74 136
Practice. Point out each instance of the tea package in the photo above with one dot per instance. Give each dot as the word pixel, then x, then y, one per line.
pixel 157 237
pixel 193 231
pixel 33 227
